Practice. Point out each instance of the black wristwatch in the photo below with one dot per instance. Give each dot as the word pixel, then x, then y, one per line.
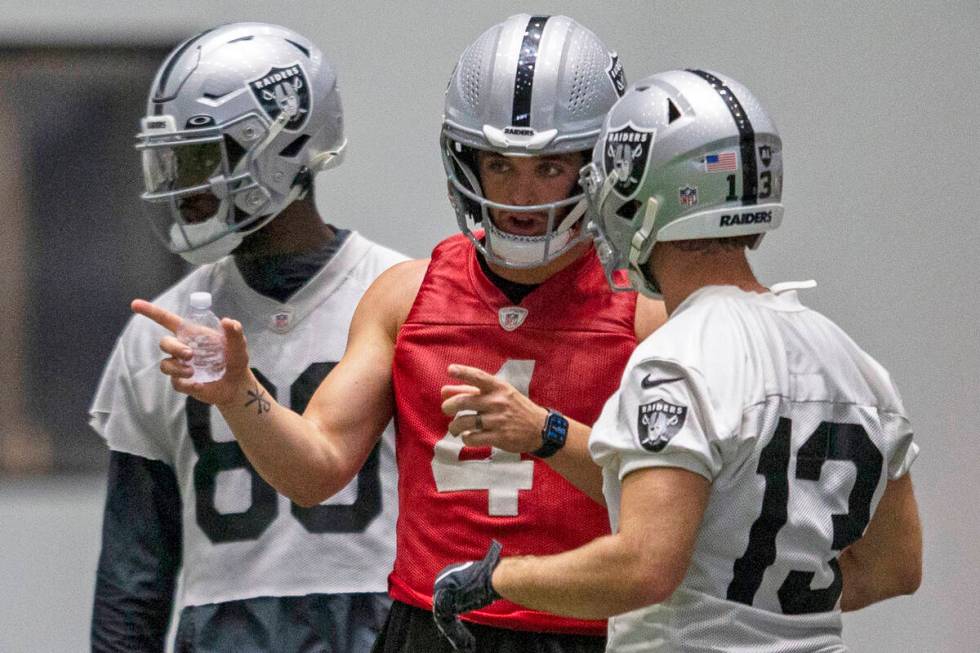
pixel 552 435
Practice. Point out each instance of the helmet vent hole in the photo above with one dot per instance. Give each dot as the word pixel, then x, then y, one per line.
pixel 243 38
pixel 234 150
pixel 305 51
pixel 673 113
pixel 293 148
pixel 582 91
pixel 471 68
pixel 628 210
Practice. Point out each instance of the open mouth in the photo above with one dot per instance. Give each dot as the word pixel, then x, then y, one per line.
pixel 199 207
pixel 522 224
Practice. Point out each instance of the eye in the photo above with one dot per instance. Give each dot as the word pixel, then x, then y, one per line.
pixel 550 169
pixel 496 165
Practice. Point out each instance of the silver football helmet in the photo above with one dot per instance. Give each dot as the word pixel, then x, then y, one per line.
pixel 239 120
pixel 684 154
pixel 529 86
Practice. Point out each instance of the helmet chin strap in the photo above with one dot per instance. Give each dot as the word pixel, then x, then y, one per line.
pixel 328 159
pixel 530 250
pixel 182 235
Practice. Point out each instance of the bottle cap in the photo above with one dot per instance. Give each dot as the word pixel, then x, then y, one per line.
pixel 201 300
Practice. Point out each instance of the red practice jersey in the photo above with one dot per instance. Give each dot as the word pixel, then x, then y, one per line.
pixel 565 346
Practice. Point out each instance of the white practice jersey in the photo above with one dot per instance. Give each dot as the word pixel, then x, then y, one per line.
pixel 241 539
pixel 798 431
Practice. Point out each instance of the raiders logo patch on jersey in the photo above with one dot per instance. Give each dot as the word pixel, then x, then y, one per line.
pixel 284 90
pixel 627 150
pixel 658 422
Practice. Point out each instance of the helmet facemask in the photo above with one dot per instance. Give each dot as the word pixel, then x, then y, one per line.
pixel 190 171
pixel 564 228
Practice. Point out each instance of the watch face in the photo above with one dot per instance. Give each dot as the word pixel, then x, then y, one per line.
pixel 557 427
pixel 553 435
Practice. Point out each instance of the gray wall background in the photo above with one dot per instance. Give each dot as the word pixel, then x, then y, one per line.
pixel 877 106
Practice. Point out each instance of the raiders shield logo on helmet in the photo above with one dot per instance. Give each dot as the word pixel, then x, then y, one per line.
pixel 658 422
pixel 627 150
pixel 284 90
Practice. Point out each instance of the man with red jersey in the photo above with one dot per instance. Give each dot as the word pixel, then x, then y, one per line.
pixel 518 298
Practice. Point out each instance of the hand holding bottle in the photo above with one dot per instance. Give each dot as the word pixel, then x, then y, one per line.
pixel 201 331
pixel 180 366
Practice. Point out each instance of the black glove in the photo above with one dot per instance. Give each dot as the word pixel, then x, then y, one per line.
pixel 462 587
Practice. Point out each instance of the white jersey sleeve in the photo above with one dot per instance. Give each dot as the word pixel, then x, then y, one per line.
pixel 798 431
pixel 130 407
pixel 659 402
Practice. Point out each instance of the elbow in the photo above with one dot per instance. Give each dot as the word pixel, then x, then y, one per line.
pixel 312 494
pixel 908 576
pixel 650 583
pixel 648 576
pixel 307 500
pixel 319 480
pixel 319 486
pixel 911 579
pixel 657 587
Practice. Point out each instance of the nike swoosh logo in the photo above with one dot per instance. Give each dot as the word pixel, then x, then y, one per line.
pixel 648 383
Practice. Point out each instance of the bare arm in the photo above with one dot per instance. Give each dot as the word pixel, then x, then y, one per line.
pixel 887 560
pixel 308 457
pixel 642 564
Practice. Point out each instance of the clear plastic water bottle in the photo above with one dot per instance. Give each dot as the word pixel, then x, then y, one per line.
pixel 201 331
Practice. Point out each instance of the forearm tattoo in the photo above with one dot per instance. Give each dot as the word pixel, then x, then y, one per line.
pixel 257 397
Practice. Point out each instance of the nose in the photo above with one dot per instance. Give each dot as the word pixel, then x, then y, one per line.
pixel 522 190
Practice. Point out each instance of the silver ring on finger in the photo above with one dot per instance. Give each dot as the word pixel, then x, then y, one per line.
pixel 479 422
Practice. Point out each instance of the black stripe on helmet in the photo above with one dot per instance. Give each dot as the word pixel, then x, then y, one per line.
pixel 524 79
pixel 746 135
pixel 169 65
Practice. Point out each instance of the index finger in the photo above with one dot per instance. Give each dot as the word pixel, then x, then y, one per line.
pixel 474 376
pixel 161 316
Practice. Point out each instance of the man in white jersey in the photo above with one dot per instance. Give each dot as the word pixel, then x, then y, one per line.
pixel 239 121
pixel 755 459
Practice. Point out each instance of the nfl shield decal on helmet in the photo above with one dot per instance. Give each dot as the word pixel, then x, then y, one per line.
pixel 626 151
pixel 765 155
pixel 688 195
pixel 658 422
pixel 284 90
pixel 511 317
